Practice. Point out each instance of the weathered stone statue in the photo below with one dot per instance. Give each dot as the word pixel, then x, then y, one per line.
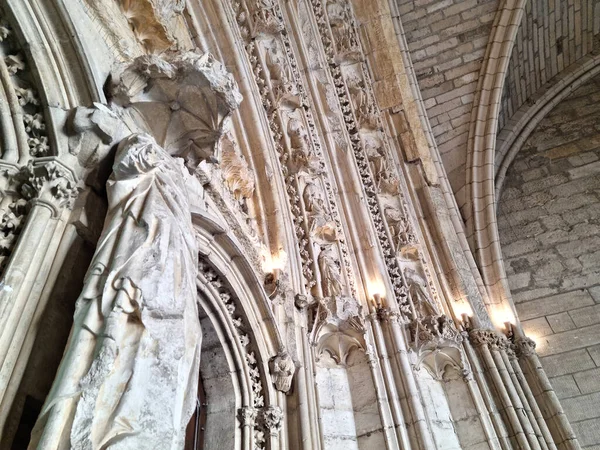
pixel 331 279
pixel 129 374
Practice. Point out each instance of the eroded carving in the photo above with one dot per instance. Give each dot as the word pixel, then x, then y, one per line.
pixel 302 155
pixel 123 353
pixel 283 371
pixel 340 17
pixel 320 223
pixel 364 110
pixel 280 74
pixel 400 228
pixel 185 99
pixel 385 180
pixel 238 177
pixel 329 268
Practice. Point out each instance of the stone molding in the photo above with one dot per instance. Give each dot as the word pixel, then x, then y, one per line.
pixel 310 193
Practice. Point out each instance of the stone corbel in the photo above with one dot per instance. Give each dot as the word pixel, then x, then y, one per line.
pixel 184 100
pixel 282 371
pixel 338 327
pixel 438 346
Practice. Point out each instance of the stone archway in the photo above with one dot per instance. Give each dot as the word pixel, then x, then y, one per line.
pixel 549 226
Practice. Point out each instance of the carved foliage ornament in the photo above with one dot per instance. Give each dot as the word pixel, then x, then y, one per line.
pixel 50 183
pixel 490 339
pixel 22 99
pixel 43 181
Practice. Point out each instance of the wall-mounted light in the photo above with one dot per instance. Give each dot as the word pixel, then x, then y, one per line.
pixel 503 318
pixel 508 329
pixel 465 321
pixel 273 264
pixel 376 291
pixel 463 313
pixel 378 301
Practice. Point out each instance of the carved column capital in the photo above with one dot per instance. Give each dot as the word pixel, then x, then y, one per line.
pixel 525 347
pixel 485 338
pixel 247 416
pixel 49 182
pixel 9 182
pixel 273 418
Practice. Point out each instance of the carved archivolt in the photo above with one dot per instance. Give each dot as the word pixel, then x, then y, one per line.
pixel 261 417
pixel 324 254
pixel 20 99
pixel 363 127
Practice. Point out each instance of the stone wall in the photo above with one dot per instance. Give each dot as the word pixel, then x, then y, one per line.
pixel 549 221
pixel 447 41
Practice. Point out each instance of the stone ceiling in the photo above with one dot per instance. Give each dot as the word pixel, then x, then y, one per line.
pixel 447 41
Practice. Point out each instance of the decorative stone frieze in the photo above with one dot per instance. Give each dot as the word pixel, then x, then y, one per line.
pixel 363 126
pixel 310 192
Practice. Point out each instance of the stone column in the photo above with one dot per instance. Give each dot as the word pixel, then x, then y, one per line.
pixel 50 189
pixel 544 394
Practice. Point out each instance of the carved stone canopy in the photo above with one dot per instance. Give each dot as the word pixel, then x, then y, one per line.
pixel 184 100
